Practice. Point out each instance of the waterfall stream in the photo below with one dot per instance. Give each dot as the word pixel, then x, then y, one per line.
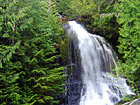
pixel 97 60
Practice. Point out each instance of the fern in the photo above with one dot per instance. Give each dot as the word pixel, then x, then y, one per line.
pixel 29 60
pixel 129 41
pixel 7 54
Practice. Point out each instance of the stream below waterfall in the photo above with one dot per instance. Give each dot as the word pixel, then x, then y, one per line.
pixel 91 80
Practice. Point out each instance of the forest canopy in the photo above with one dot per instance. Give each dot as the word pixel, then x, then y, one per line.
pixel 31 65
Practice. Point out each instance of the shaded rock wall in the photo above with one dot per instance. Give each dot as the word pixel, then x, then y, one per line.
pixel 71 58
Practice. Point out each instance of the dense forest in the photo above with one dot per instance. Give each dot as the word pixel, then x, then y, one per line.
pixel 32 58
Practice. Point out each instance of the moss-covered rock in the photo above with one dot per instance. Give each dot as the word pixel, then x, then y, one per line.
pixel 64 50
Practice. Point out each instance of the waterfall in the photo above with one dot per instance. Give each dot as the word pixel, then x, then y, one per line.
pixel 98 60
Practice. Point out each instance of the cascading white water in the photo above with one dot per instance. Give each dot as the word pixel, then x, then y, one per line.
pixel 97 60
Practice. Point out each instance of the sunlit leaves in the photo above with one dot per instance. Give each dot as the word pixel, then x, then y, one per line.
pixel 74 8
pixel 130 39
pixel 6 35
pixel 29 61
pixel 6 55
pixel 80 7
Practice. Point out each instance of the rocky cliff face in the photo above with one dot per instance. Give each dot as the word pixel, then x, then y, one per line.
pixel 73 82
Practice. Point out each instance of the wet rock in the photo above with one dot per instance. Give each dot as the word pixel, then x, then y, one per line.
pixel 134 102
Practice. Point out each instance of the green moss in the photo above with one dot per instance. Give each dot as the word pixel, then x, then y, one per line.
pixel 64 50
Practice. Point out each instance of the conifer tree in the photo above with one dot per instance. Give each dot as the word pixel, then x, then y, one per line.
pixel 30 71
pixel 76 8
pixel 130 40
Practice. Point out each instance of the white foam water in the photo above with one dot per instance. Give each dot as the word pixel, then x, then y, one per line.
pixel 97 60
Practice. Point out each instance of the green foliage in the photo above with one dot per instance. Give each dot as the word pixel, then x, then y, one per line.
pixel 81 7
pixel 129 41
pixel 75 8
pixel 106 25
pixel 30 70
pixel 107 6
pixel 6 55
pixel 64 50
pixel 64 8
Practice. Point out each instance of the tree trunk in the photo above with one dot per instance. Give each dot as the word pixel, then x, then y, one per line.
pixel 98 5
